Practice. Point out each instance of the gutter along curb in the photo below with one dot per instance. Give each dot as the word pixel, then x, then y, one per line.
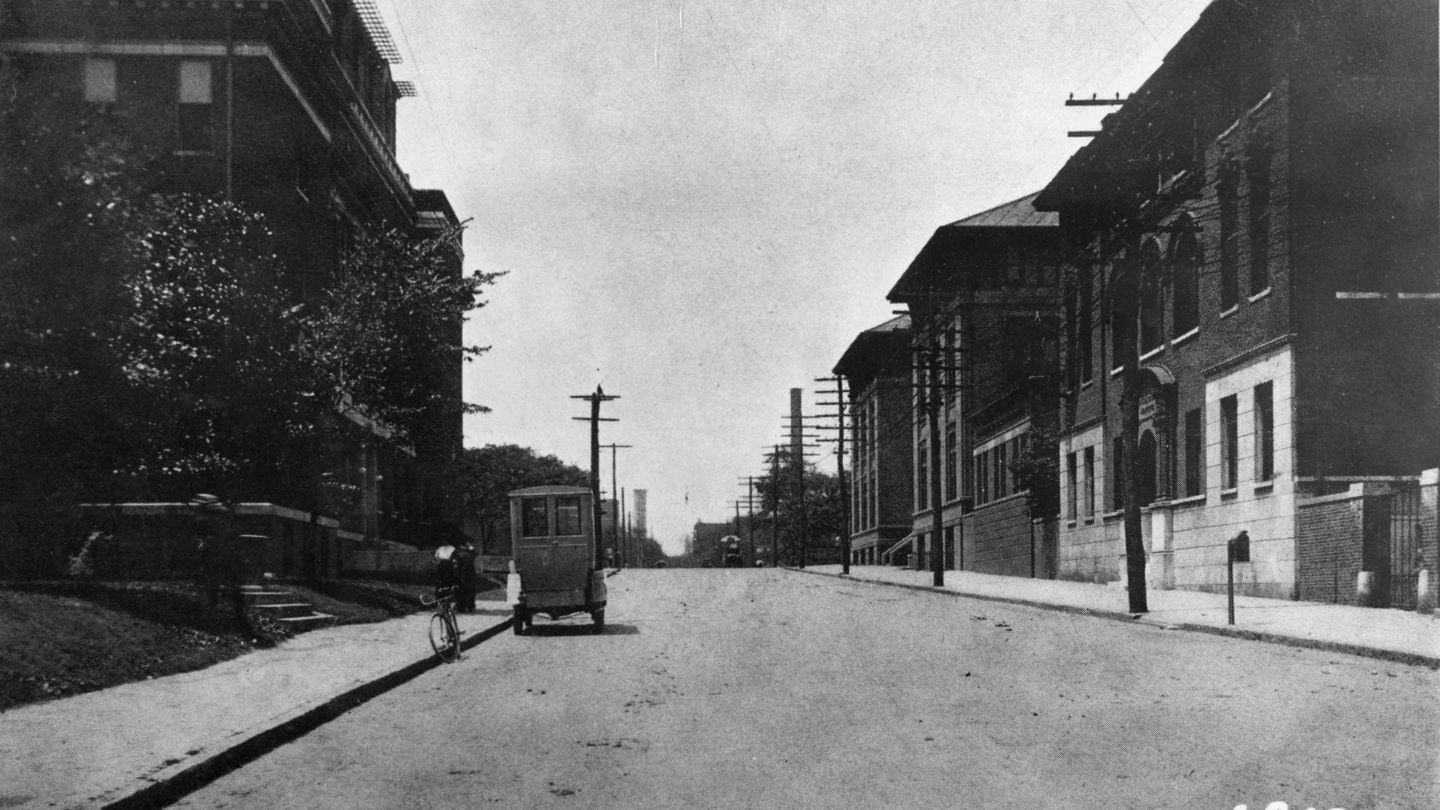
pixel 172 783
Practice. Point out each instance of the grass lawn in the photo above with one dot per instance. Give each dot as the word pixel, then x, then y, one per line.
pixel 63 638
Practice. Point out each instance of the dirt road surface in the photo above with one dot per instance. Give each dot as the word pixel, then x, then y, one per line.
pixel 725 688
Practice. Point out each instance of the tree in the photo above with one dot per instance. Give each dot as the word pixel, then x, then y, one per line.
pixel 387 330
pixel 69 198
pixel 488 474
pixel 210 339
pixel 823 513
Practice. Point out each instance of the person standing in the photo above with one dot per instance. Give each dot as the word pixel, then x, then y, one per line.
pixel 465 571
pixel 221 561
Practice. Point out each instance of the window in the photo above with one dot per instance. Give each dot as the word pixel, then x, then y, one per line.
pixel 1264 432
pixel 193 113
pixel 1072 507
pixel 1117 475
pixel 951 377
pixel 1152 297
pixel 922 475
pixel 1229 443
pixel 1194 453
pixel 1229 220
pixel 1185 263
pixel 952 471
pixel 1002 473
pixel 1087 325
pixel 1258 178
pixel 567 516
pixel 1122 322
pixel 100 81
pixel 982 478
pixel 1087 505
pixel 534 517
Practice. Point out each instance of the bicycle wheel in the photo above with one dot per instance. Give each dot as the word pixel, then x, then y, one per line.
pixel 443 638
pixel 454 635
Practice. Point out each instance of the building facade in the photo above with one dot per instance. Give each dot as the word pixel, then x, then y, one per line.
pixel 1250 302
pixel 287 107
pixel 876 368
pixel 983 298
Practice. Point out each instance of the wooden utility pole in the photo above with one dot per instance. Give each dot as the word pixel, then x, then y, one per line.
pixel 932 393
pixel 619 504
pixel 595 508
pixel 840 470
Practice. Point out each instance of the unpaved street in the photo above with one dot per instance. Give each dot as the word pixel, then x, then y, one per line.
pixel 763 688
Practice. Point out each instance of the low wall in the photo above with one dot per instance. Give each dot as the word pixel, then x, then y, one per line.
pixel 998 540
pixel 158 541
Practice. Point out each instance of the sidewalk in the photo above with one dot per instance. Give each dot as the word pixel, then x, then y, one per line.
pixel 139 743
pixel 1394 635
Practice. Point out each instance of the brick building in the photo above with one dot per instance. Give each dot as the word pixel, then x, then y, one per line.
pixel 876 367
pixel 983 298
pixel 286 106
pixel 1251 247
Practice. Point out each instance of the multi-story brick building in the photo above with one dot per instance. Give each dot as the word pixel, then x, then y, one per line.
pixel 983 301
pixel 286 106
pixel 876 368
pixel 1256 230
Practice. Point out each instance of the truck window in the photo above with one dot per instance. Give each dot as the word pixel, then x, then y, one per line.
pixel 534 518
pixel 567 516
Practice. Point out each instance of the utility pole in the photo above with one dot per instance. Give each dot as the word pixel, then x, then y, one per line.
pixel 750 507
pixel 775 515
pixel 932 394
pixel 840 471
pixel 595 509
pixel 615 517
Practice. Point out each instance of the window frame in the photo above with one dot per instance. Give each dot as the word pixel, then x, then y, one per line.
pixel 194 108
pixel 1229 442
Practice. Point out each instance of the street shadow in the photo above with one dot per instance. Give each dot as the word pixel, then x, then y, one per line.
pixel 559 630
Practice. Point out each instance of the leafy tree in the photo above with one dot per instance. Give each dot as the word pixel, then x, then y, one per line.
pixel 69 198
pixel 210 339
pixel 386 330
pixel 488 474
pixel 822 518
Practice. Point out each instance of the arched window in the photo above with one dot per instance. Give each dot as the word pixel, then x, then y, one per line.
pixel 1152 297
pixel 1185 261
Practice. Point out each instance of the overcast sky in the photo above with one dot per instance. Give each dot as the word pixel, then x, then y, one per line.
pixel 700 203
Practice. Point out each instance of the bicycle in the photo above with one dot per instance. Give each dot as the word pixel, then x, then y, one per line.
pixel 444 631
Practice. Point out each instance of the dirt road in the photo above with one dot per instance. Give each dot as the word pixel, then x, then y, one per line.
pixel 764 688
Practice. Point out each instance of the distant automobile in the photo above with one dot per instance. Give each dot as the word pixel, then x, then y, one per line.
pixel 661 564
pixel 734 560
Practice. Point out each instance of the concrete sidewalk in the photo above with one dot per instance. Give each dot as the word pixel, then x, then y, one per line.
pixel 146 743
pixel 1395 635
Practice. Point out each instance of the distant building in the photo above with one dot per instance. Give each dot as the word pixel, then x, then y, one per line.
pixel 1251 253
pixel 876 368
pixel 983 296
pixel 640 526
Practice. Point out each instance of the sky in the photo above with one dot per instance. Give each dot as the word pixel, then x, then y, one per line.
pixel 698 204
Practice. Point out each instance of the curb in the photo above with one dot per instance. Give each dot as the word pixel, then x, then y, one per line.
pixel 169 788
pixel 1394 656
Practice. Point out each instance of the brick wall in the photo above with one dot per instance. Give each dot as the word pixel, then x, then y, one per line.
pixel 997 538
pixel 1330 548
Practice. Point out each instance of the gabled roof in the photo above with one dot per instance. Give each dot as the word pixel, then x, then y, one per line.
pixel 871 350
pixel 1019 213
pixel 943 260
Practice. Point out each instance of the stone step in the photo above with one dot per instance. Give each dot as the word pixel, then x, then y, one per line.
pixel 285 609
pixel 256 598
pixel 300 624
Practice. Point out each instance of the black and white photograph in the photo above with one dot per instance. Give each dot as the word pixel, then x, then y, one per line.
pixel 720 404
